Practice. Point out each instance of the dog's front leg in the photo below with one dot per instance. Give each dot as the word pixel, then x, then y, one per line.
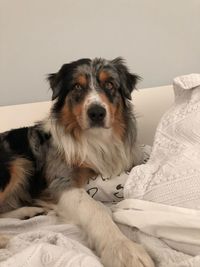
pixel 114 249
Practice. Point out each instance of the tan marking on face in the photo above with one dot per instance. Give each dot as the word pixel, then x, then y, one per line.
pixel 81 79
pixel 71 119
pixel 19 169
pixel 116 115
pixel 103 76
pixel 119 125
pixel 77 110
pixel 110 106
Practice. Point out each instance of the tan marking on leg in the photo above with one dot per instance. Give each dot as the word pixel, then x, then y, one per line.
pixel 19 169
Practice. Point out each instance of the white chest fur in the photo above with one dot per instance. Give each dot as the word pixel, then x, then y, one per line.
pixel 99 148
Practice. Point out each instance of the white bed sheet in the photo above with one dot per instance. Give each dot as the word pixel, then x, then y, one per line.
pixel 45 241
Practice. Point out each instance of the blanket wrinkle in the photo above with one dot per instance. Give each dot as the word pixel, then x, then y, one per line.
pixel 48 244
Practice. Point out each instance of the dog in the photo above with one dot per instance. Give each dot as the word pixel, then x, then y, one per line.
pixel 91 129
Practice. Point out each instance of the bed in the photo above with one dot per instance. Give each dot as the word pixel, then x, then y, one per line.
pixel 46 241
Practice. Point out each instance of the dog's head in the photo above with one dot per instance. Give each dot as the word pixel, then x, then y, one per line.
pixel 92 93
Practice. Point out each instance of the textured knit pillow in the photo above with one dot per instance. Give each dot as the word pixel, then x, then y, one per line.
pixel 172 174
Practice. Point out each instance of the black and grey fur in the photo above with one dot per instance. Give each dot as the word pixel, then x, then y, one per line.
pixel 47 154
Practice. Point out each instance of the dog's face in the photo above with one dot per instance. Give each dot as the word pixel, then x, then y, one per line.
pixel 92 93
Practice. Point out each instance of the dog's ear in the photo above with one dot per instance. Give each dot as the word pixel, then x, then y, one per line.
pixel 57 80
pixel 55 84
pixel 128 80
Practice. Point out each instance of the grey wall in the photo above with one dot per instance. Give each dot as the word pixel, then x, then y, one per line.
pixel 160 39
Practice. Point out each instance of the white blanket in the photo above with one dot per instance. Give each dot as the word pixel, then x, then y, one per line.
pixel 44 241
pixel 170 234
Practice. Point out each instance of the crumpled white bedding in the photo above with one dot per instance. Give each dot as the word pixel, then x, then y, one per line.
pixel 170 234
pixel 171 175
pixel 171 178
pixel 44 241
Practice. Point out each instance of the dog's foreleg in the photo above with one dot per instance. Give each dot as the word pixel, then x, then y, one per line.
pixel 23 213
pixel 114 249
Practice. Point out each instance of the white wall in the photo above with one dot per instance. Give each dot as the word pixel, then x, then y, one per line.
pixel 159 39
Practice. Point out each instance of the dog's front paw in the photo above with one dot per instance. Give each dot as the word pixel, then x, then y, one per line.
pixel 24 213
pixel 125 253
pixel 29 212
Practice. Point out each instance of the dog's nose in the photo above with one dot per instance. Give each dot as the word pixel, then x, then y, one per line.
pixel 96 113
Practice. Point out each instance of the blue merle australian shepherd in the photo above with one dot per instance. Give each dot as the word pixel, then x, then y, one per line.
pixel 90 130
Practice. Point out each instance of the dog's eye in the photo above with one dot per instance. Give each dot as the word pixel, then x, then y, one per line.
pixel 78 87
pixel 109 85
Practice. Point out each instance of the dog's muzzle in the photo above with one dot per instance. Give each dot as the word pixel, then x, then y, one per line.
pixel 96 114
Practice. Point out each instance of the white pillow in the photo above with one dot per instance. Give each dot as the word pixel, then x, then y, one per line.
pixel 111 190
pixel 172 174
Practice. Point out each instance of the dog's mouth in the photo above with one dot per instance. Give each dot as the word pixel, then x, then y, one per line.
pixel 97 127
